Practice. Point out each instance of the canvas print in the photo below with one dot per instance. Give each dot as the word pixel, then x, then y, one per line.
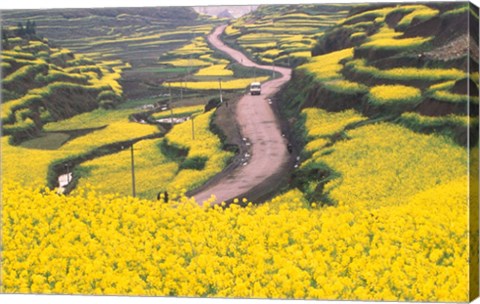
pixel 304 151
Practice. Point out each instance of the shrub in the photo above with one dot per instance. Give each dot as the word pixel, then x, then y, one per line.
pixel 194 163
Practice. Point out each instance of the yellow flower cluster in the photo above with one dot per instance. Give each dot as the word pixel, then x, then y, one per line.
pixel 109 79
pixel 327 67
pixel 320 123
pixel 93 244
pixel 396 44
pixel 394 94
pixel 420 12
pixel 114 132
pixel 425 74
pixel 215 70
pixel 186 62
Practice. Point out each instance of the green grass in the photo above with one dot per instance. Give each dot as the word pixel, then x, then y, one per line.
pixel 447 96
pixel 452 126
pixel 47 141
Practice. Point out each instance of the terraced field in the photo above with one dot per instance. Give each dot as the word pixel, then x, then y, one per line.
pixel 65 113
pixel 134 36
pixel 282 35
pixel 206 69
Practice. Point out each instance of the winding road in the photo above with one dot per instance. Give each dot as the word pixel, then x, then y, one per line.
pixel 258 123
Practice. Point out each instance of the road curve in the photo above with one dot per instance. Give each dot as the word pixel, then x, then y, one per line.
pixel 259 125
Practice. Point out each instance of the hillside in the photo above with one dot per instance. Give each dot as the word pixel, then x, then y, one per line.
pixel 42 83
pixel 387 67
pixel 137 36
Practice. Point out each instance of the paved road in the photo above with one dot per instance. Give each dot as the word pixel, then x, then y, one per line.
pixel 259 125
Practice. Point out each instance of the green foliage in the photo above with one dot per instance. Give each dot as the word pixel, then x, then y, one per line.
pixel 454 127
pixel 194 163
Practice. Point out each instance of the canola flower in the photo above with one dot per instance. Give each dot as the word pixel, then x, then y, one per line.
pixel 420 12
pixel 186 62
pixel 215 70
pixel 396 44
pixel 424 74
pixel 394 95
pixel 388 38
pixel 104 244
pixel 327 67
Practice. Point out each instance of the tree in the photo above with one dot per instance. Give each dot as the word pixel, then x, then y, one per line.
pixel 5 36
pixel 20 31
pixel 30 28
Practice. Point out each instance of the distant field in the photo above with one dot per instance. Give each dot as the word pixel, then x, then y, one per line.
pixel 137 36
pixel 282 34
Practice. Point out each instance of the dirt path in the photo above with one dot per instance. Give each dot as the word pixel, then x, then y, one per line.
pixel 260 126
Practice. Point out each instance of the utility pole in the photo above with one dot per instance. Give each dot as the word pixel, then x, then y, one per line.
pixel 193 127
pixel 181 88
pixel 170 102
pixel 67 166
pixel 220 84
pixel 133 171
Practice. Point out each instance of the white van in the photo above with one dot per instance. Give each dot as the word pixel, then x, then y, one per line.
pixel 255 88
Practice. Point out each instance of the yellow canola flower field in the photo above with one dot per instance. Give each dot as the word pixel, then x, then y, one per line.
pixel 92 244
pixel 327 67
pixel 420 12
pixel 186 62
pixel 379 162
pixel 234 84
pixel 394 94
pixel 30 165
pixel 112 173
pixel 205 145
pixel 26 166
pixel 424 74
pixel 215 70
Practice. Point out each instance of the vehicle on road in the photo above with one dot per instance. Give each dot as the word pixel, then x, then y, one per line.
pixel 255 88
